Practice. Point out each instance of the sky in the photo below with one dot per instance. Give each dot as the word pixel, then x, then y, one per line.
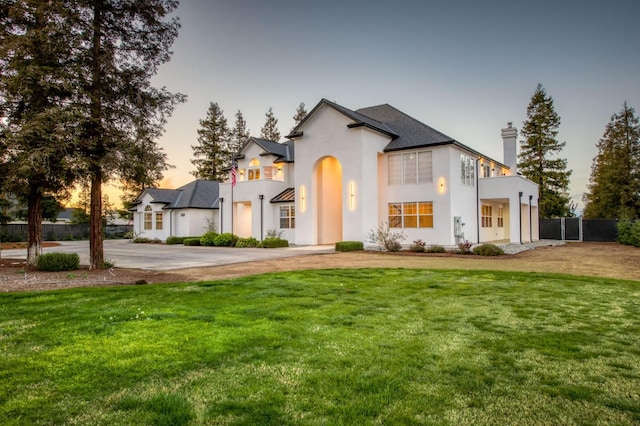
pixel 463 67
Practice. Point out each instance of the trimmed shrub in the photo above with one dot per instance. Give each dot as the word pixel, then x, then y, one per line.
pixel 417 246
pixel 208 239
pixel 349 245
pixel 175 240
pixel 274 243
pixel 194 241
pixel 435 249
pixel 225 240
pixel 248 242
pixel 58 262
pixel 488 250
pixel 465 247
pixel 146 240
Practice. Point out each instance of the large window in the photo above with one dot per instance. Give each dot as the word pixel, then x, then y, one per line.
pixel 467 170
pixel 158 220
pixel 417 214
pixel 287 217
pixel 487 214
pixel 410 167
pixel 148 224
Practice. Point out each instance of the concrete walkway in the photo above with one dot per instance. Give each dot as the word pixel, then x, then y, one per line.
pixel 162 257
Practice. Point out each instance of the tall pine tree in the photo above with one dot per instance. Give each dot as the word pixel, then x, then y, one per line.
pixel 614 185
pixel 239 134
pixel 37 47
pixel 124 43
pixel 213 151
pixel 300 114
pixel 270 129
pixel 538 156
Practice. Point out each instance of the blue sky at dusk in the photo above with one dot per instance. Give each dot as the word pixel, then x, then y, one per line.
pixel 465 68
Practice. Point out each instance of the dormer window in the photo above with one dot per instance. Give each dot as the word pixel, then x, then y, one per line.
pixel 254 169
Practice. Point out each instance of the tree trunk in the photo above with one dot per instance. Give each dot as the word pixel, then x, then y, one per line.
pixel 96 249
pixel 34 227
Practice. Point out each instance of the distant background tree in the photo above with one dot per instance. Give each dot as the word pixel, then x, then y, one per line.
pixel 537 158
pixel 123 43
pixel 300 114
pixel 239 134
pixel 50 206
pixel 614 185
pixel 213 151
pixel 37 51
pixel 270 129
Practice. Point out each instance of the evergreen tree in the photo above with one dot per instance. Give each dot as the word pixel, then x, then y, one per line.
pixel 537 160
pixel 300 114
pixel 212 152
pixel 37 47
pixel 270 129
pixel 614 185
pixel 239 134
pixel 124 43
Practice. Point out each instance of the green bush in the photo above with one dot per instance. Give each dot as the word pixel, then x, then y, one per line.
pixel 225 240
pixel 349 246
pixel 488 250
pixel 193 241
pixel 274 243
pixel 146 240
pixel 208 239
pixel 248 242
pixel 58 262
pixel 629 232
pixel 435 249
pixel 175 240
pixel 417 246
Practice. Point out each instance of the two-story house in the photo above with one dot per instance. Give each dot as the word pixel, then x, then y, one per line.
pixel 342 173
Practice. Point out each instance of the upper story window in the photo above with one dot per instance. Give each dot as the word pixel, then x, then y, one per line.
pixel 467 170
pixel 486 170
pixel 254 169
pixel 410 167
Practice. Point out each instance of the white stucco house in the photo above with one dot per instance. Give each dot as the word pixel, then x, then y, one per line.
pixel 343 172
pixel 182 212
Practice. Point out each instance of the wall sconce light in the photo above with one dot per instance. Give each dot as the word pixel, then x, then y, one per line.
pixel 442 186
pixel 279 168
pixel 352 196
pixel 303 206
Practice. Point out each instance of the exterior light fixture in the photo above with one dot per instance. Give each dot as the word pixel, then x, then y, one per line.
pixel 303 206
pixel 442 186
pixel 352 196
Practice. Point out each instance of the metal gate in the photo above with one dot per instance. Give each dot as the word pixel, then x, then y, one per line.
pixel 578 229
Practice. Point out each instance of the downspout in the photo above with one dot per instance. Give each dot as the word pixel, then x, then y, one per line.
pixel 520 215
pixel 261 197
pixel 221 209
pixel 478 199
pixel 530 223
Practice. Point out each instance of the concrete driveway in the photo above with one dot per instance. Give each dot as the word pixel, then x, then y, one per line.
pixel 162 257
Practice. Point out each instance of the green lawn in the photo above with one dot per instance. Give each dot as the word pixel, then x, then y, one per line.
pixel 386 346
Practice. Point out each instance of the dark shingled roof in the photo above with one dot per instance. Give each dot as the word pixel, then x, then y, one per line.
pixel 405 132
pixel 286 196
pixel 199 194
pixel 411 132
pixel 283 151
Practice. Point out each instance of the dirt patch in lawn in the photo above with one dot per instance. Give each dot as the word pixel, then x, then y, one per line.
pixel 609 260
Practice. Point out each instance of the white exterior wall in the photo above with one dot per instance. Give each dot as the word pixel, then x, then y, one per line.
pixel 247 219
pixel 138 220
pixel 463 198
pixel 326 135
pixel 507 188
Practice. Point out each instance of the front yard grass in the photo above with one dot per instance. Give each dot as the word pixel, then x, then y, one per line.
pixel 353 346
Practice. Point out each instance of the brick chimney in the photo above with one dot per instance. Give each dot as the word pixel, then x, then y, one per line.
pixel 510 153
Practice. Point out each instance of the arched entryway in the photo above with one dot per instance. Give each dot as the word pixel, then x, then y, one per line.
pixel 327 176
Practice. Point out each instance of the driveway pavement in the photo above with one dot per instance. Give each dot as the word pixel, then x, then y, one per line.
pixel 162 257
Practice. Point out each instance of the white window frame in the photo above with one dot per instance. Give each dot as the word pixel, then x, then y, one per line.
pixel 287 217
pixel 159 221
pixel 415 167
pixel 500 217
pixel 487 216
pixel 411 214
pixel 467 170
pixel 147 219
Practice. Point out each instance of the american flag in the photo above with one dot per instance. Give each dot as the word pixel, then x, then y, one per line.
pixel 234 178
